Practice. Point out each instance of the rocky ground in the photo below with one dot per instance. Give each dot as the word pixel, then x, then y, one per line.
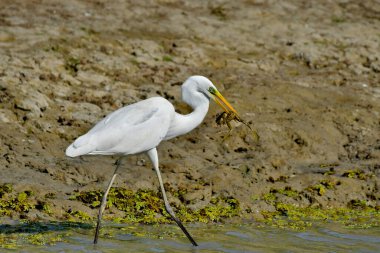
pixel 304 74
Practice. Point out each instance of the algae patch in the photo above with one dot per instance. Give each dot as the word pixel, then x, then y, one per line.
pixel 146 206
pixel 290 216
pixel 36 233
pixel 357 214
pixel 19 202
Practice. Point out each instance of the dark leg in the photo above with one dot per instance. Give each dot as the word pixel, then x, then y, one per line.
pixel 104 201
pixel 154 158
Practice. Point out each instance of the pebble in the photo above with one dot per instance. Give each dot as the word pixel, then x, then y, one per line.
pixel 91 78
pixel 7 116
pixel 32 101
pixel 86 112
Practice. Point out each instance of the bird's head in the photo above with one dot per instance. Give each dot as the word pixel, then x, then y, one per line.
pixel 204 86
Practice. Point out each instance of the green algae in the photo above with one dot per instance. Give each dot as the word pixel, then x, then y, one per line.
pixel 355 173
pixel 223 207
pixel 357 204
pixel 167 58
pixel 44 206
pixel 271 196
pixel 357 214
pixel 4 189
pixel 72 65
pixel 50 195
pixel 47 238
pixel 323 185
pixel 8 241
pixel 287 191
pixel 329 184
pixel 146 206
pixel 291 216
pixel 36 233
pixel 15 241
pixel 13 203
pixel 319 188
pixel 17 203
pixel 75 215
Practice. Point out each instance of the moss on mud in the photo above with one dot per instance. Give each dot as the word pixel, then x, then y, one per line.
pixel 357 214
pixel 291 216
pixel 16 202
pixel 15 236
pixel 146 206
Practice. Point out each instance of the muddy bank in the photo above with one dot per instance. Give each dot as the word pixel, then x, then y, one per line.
pixel 305 75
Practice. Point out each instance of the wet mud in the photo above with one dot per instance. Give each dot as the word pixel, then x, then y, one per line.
pixel 305 75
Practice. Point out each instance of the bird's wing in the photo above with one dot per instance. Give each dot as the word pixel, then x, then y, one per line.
pixel 132 129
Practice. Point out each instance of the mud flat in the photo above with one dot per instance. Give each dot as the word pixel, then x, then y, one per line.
pixel 305 75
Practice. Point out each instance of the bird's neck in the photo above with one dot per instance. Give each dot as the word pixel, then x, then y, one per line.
pixel 182 124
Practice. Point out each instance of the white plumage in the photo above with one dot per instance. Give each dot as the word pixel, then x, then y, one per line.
pixel 132 129
pixel 140 127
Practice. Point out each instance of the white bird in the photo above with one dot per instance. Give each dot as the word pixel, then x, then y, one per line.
pixel 140 127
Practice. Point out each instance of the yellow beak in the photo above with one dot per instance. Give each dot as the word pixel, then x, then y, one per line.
pixel 222 102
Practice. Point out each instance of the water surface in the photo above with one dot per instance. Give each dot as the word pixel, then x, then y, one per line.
pixel 212 238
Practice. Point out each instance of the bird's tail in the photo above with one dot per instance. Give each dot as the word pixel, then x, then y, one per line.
pixel 81 146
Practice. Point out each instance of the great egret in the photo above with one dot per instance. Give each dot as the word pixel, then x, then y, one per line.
pixel 140 127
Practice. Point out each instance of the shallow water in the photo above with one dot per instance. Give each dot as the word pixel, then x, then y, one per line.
pixel 211 238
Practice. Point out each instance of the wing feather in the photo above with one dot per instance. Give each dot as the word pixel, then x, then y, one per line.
pixel 132 129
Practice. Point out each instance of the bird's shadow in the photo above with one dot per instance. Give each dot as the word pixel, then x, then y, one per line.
pixel 40 227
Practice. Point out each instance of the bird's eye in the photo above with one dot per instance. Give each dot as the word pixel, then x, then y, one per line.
pixel 212 90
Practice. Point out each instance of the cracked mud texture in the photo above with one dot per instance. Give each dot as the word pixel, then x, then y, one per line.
pixel 304 74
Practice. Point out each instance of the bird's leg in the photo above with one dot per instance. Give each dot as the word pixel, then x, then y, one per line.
pixel 154 158
pixel 227 135
pixel 104 200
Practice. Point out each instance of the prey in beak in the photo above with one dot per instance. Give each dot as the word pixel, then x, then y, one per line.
pixel 229 113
